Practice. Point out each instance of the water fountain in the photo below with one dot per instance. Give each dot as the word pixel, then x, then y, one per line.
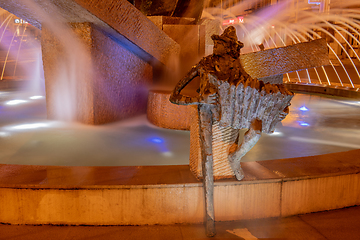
pixel 284 25
pixel 91 195
pixel 21 58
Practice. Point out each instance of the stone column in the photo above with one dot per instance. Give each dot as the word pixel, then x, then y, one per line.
pixel 93 78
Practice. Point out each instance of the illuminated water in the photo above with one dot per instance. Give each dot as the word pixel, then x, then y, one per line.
pixel 316 125
pixel 289 22
pixel 26 137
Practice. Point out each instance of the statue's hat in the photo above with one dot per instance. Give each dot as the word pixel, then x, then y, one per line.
pixel 229 35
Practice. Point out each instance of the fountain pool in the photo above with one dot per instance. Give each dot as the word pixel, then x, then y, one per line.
pixel 316 125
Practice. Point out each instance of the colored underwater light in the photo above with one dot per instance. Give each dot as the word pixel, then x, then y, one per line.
pixel 156 140
pixel 303 108
pixel 161 146
pixel 304 124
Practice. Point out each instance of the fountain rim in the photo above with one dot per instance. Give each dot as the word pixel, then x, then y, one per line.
pixel 69 185
pixel 180 202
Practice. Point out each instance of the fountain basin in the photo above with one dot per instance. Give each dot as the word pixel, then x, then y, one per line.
pixel 133 195
pixel 170 194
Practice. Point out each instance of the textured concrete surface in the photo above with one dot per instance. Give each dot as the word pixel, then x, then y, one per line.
pixel 157 7
pixel 189 8
pixel 192 42
pixel 120 47
pixel 286 59
pixel 119 19
pixel 191 39
pixel 121 80
pixel 212 27
pixel 108 82
pixel 160 21
pixel 171 194
pixel 161 112
pixel 221 143
pixel 131 24
pixel 183 8
pixel 329 225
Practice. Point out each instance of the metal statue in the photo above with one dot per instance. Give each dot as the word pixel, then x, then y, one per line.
pixel 229 96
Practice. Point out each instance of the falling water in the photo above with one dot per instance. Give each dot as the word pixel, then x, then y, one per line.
pixel 21 55
pixel 7 54
pixel 72 70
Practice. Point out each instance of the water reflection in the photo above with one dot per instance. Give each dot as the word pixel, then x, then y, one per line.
pixel 27 137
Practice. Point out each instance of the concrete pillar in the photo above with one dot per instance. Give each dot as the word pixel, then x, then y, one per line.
pixel 92 78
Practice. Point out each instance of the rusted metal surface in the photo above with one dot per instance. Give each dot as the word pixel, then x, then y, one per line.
pixel 206 118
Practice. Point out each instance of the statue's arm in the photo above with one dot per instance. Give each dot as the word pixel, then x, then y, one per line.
pixel 180 99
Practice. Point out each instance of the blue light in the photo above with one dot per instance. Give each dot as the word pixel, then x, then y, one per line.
pixel 156 140
pixel 304 124
pixel 161 146
pixel 304 109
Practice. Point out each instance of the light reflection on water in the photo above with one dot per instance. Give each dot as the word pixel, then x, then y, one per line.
pixel 27 137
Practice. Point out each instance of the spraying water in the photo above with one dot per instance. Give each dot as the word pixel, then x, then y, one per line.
pixel 74 63
pixel 290 22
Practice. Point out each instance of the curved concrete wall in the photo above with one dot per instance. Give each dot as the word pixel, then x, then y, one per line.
pixel 171 194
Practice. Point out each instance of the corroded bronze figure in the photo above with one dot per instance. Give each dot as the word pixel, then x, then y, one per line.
pixel 229 96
